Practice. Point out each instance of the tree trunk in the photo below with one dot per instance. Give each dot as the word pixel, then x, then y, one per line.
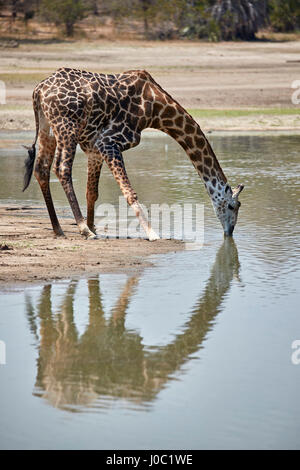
pixel 69 28
pixel 237 19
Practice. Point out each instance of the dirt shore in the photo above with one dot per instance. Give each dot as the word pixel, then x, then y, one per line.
pixel 29 252
pixel 257 121
pixel 254 77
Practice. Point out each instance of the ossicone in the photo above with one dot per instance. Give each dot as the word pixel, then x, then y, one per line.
pixel 236 191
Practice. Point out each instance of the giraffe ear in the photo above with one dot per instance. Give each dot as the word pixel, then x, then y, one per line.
pixel 236 191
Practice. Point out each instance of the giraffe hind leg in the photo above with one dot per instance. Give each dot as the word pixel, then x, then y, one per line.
pixel 42 168
pixel 64 157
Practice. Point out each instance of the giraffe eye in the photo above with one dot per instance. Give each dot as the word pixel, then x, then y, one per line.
pixel 230 207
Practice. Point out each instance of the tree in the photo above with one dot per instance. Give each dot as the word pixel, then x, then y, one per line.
pixel 64 12
pixel 237 19
pixel 197 21
pixel 284 15
pixel 160 18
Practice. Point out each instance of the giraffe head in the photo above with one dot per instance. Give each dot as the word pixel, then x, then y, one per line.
pixel 227 207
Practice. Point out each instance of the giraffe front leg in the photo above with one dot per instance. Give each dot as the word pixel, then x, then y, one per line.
pixel 114 160
pixel 151 234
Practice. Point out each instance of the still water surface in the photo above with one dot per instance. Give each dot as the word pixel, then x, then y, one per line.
pixel 193 353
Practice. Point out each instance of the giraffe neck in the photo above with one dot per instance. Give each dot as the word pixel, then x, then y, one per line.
pixel 184 129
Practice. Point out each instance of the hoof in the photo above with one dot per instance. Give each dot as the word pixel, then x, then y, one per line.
pixel 152 236
pixel 59 234
pixel 86 232
pixel 93 229
pixel 92 236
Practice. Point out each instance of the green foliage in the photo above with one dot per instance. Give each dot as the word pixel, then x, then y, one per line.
pixel 64 12
pixel 199 23
pixel 159 17
pixel 284 15
pixel 166 19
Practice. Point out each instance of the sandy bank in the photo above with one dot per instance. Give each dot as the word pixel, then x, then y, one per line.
pixel 29 252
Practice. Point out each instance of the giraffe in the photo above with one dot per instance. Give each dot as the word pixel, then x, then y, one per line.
pixel 105 114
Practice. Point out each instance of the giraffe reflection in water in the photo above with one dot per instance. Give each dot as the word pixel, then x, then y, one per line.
pixel 108 360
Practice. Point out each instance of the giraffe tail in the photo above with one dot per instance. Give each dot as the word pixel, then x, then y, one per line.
pixel 29 162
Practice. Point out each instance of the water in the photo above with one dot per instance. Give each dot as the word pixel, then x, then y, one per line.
pixel 194 353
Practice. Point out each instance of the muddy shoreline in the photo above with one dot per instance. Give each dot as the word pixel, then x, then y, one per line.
pixel 30 253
